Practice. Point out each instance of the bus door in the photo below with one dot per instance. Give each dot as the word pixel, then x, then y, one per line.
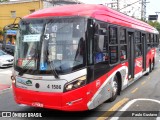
pixel 131 57
pixel 144 51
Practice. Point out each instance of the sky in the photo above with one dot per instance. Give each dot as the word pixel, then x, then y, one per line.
pixel 93 1
pixel 152 7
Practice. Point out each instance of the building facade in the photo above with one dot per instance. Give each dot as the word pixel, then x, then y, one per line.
pixel 16 9
pixel 13 9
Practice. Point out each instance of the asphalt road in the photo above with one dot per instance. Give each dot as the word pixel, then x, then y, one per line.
pixel 137 102
pixel 5 78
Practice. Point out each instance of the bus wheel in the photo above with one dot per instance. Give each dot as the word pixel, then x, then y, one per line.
pixel 147 73
pixel 150 69
pixel 152 65
pixel 114 89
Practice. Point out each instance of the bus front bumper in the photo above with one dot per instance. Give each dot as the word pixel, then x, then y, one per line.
pixel 75 100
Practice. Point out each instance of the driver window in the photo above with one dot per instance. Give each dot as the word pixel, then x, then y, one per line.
pixel 100 42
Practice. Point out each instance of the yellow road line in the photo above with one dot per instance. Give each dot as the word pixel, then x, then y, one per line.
pixel 113 109
pixel 143 82
pixel 133 91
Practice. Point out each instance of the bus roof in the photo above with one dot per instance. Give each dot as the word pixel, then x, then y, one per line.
pixel 98 12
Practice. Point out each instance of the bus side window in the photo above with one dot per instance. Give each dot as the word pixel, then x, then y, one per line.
pixel 123 44
pixel 152 38
pixel 113 45
pixel 138 44
pixel 148 42
pixel 138 50
pixel 100 42
pixel 113 54
pixel 123 53
pixel 113 35
pixel 98 48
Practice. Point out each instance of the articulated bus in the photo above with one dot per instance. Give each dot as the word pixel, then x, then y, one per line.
pixel 75 57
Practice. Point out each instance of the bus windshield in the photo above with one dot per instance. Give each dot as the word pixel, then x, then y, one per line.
pixel 50 44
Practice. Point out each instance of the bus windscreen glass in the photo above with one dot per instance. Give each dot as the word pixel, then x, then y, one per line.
pixel 53 44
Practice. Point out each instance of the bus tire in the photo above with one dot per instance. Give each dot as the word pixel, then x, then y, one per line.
pixel 150 70
pixel 153 64
pixel 147 73
pixel 114 89
pixel 150 67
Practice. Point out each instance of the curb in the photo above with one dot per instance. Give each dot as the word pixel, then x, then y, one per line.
pixel 1 91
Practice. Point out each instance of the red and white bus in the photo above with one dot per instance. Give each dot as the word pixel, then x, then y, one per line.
pixel 75 57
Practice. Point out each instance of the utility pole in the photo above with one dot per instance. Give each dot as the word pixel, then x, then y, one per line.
pixel 114 3
pixel 117 5
pixel 143 10
pixel 111 4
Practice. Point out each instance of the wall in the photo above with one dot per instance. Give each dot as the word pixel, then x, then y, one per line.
pixel 21 8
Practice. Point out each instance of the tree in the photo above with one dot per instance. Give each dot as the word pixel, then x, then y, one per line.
pixel 1 32
pixel 155 24
pixel 4 0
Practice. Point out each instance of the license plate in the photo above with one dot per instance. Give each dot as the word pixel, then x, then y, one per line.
pixel 37 104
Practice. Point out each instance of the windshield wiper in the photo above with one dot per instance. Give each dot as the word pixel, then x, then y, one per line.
pixel 53 70
pixel 46 53
pixel 46 59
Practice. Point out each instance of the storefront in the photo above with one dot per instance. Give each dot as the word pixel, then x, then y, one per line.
pixel 9 40
pixel 11 37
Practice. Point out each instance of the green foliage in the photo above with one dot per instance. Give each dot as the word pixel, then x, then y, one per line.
pixel 155 24
pixel 1 32
pixel 4 0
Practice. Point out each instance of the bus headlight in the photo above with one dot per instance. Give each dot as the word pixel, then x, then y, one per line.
pixel 79 82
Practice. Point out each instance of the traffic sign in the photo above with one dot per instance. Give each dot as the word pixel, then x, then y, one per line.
pixel 11 32
pixel 153 17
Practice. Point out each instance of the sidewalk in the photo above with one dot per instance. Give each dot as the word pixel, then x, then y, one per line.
pixel 3 87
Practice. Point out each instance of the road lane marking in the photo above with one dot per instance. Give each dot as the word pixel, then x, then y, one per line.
pixel 113 109
pixel 133 91
pixel 143 82
pixel 149 78
pixel 4 86
pixel 5 90
pixel 130 103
